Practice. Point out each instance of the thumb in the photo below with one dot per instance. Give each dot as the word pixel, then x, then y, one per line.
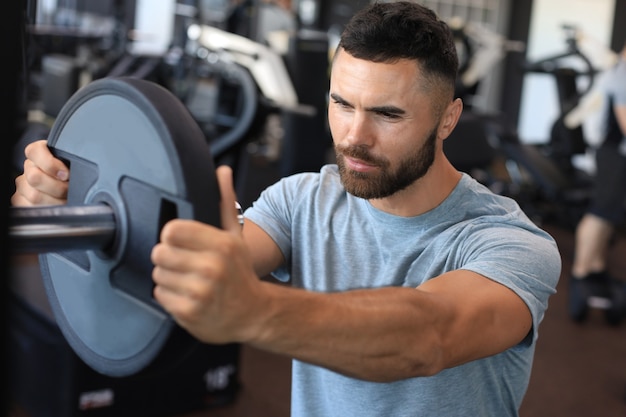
pixel 228 203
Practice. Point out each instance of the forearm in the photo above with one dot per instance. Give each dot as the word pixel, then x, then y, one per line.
pixel 378 335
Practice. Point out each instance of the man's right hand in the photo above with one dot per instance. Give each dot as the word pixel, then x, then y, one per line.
pixel 45 178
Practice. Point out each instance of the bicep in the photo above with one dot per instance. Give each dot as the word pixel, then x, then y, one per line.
pixel 481 317
pixel 265 253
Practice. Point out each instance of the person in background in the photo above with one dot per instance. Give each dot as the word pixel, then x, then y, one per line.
pixel 595 230
pixel 414 290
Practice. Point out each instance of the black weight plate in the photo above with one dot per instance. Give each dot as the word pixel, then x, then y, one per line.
pixel 133 145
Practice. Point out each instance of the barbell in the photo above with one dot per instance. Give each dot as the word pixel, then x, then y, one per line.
pixel 137 159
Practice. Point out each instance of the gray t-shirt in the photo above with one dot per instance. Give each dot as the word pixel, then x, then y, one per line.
pixel 333 241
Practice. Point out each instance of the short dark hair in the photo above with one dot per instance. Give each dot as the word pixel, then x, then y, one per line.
pixel 387 32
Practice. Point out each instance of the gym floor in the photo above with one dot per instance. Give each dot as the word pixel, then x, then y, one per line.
pixel 579 369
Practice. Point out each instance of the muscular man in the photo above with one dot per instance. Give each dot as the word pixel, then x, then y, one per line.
pixel 415 291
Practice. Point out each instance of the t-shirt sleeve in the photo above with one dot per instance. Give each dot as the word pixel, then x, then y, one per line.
pixel 526 261
pixel 616 84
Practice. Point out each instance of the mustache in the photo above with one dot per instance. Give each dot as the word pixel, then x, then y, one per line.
pixel 359 152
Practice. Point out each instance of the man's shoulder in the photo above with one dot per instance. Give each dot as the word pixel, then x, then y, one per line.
pixel 304 186
pixel 328 175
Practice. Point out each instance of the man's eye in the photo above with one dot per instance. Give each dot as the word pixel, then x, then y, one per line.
pixel 388 115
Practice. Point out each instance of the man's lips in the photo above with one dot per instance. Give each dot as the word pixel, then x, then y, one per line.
pixel 358 164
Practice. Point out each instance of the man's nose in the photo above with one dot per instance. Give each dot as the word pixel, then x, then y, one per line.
pixel 359 131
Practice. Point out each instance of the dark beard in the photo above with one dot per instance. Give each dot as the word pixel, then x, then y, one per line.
pixel 386 182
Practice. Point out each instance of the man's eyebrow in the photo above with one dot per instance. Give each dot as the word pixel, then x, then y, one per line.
pixel 386 110
pixel 338 98
pixel 375 109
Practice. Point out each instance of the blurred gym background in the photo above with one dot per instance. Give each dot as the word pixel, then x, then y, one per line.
pixel 254 75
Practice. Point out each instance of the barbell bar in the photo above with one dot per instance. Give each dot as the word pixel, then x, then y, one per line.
pixel 61 228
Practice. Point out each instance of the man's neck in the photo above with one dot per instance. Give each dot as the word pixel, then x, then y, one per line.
pixel 423 195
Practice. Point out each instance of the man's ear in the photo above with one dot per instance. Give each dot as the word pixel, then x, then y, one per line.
pixel 450 117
